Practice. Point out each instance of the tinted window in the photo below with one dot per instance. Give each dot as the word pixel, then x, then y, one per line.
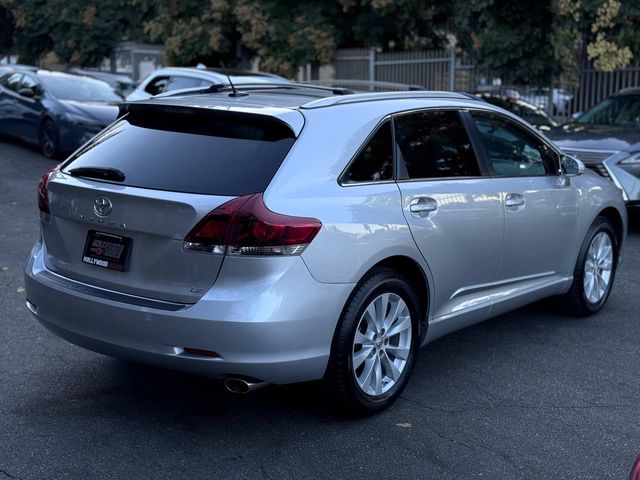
pixel 375 161
pixel 157 86
pixel 12 82
pixel 82 89
pixel 177 83
pixel 28 82
pixel 435 145
pixel 512 151
pixel 219 153
pixel 621 110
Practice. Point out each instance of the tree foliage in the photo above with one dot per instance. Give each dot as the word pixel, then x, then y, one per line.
pixel 79 32
pixel 527 40
pixel 509 39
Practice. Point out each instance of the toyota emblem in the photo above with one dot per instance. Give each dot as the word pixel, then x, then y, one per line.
pixel 102 206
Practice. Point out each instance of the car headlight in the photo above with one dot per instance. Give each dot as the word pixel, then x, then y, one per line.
pixel 632 159
pixel 82 121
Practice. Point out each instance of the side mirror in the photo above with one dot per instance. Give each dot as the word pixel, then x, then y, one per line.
pixel 570 166
pixel 27 92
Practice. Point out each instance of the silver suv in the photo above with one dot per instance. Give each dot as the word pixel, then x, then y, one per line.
pixel 285 233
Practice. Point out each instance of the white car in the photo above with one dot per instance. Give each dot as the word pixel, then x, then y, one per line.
pixel 171 79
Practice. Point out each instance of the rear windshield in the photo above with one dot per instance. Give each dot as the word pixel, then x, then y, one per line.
pixel 212 153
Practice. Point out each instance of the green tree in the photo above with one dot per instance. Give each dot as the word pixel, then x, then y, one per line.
pixel 7 27
pixel 511 40
pixel 79 32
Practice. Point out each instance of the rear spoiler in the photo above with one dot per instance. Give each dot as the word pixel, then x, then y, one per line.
pixel 273 117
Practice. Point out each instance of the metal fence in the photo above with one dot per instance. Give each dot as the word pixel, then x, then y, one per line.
pixel 455 71
pixel 431 69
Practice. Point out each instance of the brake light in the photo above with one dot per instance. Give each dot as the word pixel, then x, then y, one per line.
pixel 245 226
pixel 43 192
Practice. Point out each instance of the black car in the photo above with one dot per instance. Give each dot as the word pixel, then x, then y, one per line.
pixel 607 139
pixel 57 111
pixel 536 116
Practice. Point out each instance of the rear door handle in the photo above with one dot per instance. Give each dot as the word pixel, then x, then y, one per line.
pixel 514 200
pixel 423 206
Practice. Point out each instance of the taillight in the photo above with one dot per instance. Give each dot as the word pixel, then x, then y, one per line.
pixel 244 226
pixel 43 193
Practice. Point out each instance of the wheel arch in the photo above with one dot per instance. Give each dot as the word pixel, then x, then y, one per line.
pixel 612 214
pixel 417 277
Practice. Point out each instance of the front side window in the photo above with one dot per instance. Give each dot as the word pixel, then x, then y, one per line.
pixel 28 82
pixel 374 163
pixel 12 82
pixel 512 151
pixel 435 144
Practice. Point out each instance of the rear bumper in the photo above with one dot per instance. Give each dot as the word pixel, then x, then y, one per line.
pixel 278 330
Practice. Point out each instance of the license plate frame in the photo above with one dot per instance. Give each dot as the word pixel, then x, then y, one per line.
pixel 106 250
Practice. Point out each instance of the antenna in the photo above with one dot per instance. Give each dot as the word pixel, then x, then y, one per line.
pixel 233 88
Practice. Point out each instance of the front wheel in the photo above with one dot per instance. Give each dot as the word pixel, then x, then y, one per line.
pixel 375 344
pixel 594 271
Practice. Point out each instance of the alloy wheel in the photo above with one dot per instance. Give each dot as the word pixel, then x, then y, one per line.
pixel 598 267
pixel 382 344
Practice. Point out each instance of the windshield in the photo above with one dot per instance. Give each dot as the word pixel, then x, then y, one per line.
pixel 79 88
pixel 621 111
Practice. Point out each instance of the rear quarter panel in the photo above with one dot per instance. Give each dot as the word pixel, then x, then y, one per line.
pixel 362 224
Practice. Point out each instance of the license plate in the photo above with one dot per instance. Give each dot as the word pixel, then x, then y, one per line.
pixel 106 250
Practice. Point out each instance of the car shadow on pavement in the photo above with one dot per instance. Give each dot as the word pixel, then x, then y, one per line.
pixel 124 389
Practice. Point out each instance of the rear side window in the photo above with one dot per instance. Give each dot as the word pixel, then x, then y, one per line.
pixel 374 163
pixel 178 83
pixel 215 153
pixel 435 144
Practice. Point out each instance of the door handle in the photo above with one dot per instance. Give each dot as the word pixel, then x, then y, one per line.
pixel 514 200
pixel 423 206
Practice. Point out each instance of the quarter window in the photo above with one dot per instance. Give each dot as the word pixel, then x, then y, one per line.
pixel 435 144
pixel 374 163
pixel 512 151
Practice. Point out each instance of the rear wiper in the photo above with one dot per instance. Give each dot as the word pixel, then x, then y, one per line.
pixel 101 173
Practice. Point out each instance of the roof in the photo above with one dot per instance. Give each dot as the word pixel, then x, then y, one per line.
pixel 287 101
pixel 292 95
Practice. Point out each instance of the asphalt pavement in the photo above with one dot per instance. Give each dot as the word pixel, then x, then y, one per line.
pixel 528 395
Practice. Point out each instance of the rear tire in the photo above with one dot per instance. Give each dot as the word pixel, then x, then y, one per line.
pixel 49 139
pixel 594 272
pixel 367 373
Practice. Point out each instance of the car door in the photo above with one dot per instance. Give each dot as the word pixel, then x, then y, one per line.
pixel 456 218
pixel 31 110
pixel 9 111
pixel 540 208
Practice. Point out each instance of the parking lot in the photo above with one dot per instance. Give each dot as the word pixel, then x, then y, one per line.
pixel 530 394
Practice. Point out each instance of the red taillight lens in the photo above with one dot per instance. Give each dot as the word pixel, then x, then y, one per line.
pixel 244 226
pixel 43 193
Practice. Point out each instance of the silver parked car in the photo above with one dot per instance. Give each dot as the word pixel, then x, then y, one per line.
pixel 281 234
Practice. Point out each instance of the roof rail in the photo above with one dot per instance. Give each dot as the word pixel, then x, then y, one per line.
pixel 369 97
pixel 272 87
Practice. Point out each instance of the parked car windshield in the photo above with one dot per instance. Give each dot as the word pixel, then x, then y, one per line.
pixel 79 88
pixel 621 110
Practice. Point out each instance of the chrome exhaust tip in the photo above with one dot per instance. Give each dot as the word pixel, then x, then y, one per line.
pixel 241 386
